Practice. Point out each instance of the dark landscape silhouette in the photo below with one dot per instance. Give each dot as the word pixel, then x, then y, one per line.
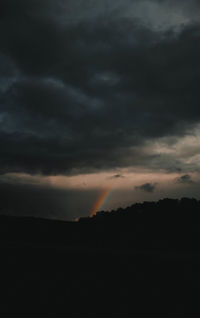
pixel 134 262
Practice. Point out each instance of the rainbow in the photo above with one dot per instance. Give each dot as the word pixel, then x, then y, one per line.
pixel 100 201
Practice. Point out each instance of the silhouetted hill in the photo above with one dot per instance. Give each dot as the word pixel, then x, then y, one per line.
pixel 166 224
pixel 134 262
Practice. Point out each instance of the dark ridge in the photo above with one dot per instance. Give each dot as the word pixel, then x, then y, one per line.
pixel 139 261
pixel 168 224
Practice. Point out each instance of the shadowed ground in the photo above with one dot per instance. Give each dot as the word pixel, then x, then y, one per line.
pixel 102 267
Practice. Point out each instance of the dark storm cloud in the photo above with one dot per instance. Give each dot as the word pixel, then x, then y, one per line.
pixel 147 187
pixel 81 94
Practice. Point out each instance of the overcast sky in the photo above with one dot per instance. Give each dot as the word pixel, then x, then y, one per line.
pixel 96 94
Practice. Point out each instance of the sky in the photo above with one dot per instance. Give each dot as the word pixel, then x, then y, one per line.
pixel 97 97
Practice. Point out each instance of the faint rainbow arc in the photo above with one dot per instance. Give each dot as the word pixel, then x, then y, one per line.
pixel 101 200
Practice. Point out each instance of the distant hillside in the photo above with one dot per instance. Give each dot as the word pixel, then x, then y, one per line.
pixel 166 224
pixel 160 210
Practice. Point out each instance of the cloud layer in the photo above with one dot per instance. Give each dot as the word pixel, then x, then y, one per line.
pixel 82 94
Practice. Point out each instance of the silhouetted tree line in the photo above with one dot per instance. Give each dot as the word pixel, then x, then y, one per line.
pixel 166 224
pixel 162 209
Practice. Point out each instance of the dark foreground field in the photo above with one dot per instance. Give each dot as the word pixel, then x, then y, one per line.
pixel 138 262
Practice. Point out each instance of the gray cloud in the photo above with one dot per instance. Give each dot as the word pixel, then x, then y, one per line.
pixel 81 94
pixel 186 178
pixel 117 176
pixel 147 187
